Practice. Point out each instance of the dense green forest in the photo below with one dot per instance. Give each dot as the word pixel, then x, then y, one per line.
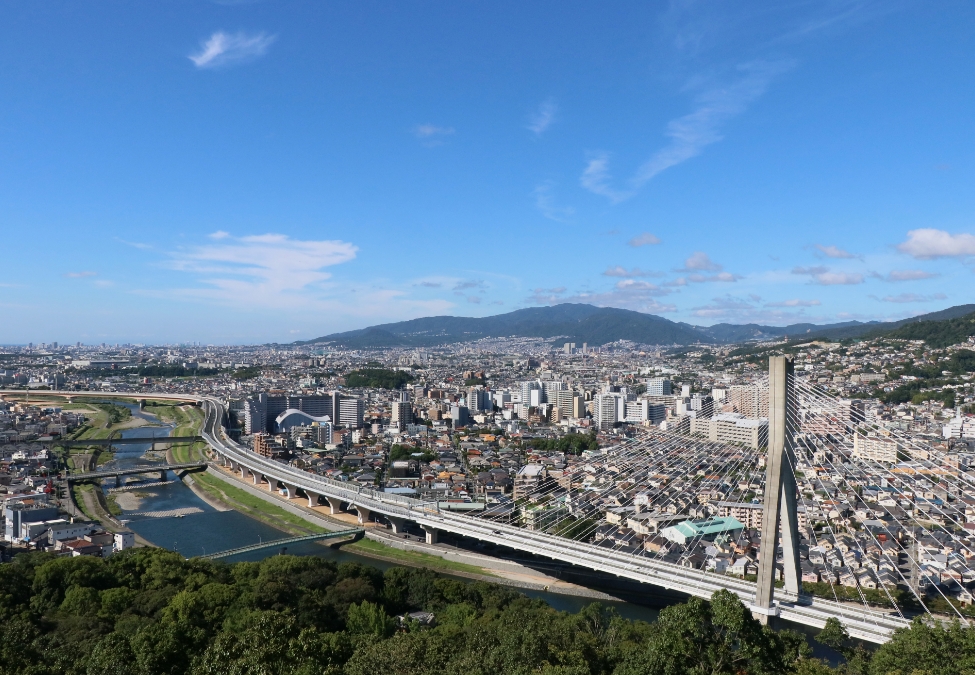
pixel 937 334
pixel 378 378
pixel 150 612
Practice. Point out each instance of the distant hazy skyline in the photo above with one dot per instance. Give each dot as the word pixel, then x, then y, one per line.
pixel 233 171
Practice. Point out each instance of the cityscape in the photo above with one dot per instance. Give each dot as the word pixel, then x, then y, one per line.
pixel 349 339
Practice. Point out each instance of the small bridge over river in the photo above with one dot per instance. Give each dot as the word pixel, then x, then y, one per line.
pixel 105 442
pixel 161 469
pixel 355 533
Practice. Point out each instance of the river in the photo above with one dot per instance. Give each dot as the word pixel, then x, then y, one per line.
pixel 204 529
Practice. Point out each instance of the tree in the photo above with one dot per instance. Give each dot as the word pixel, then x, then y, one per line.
pixel 367 618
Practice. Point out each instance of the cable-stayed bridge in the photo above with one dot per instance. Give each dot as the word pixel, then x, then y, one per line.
pixel 869 521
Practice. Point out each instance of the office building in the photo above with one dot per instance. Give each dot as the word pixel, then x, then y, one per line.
pixel 402 414
pixel 659 386
pixel 351 411
pixel 479 400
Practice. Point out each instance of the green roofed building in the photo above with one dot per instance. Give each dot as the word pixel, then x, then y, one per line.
pixel 708 530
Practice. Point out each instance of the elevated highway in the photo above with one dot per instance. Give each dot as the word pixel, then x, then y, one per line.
pixel 861 622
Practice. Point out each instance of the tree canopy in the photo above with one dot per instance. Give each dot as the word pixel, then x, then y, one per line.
pixel 150 612
pixel 378 378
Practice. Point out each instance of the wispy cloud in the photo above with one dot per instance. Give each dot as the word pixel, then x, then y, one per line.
pixel 467 285
pixel 80 275
pixel 618 271
pixel 545 203
pixel 543 117
pixel 431 134
pixel 226 49
pixel 928 243
pixel 911 297
pixel 746 310
pixel 626 294
pixel 826 277
pixel 266 270
pixel 835 252
pixel 700 261
pixel 905 275
pixel 690 134
pixel 794 303
pixel 134 244
pixel 644 239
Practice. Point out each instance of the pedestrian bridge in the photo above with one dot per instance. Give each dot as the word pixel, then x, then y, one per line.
pixel 275 543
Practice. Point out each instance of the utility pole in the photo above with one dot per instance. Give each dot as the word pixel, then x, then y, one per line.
pixel 780 492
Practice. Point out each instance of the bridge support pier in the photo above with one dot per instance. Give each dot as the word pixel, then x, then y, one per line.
pixel 258 479
pixel 335 505
pixel 432 535
pixel 364 514
pixel 292 490
pixel 398 524
pixel 312 499
pixel 780 494
pixel 117 482
pixel 162 475
pixel 243 472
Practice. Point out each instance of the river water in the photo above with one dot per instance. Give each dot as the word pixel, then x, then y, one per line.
pixel 207 530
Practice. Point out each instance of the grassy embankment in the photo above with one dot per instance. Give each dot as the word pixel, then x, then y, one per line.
pixel 375 549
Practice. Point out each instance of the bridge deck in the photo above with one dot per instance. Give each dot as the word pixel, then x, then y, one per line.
pixel 125 441
pixel 282 542
pixel 148 468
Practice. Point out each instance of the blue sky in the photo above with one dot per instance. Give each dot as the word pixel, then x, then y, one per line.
pixel 234 172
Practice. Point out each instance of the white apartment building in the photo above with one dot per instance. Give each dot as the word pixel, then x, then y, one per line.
pixel 608 409
pixel 732 428
pixel 876 448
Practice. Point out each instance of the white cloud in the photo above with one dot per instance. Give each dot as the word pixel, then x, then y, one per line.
pixel 219 234
pixel 619 271
pixel 644 239
pixel 542 118
pixel 912 297
pixel 690 134
pixel 834 252
pixel 627 294
pixel 927 243
pixel 724 277
pixel 80 275
pixel 699 261
pixel 825 277
pixel 744 310
pixel 430 131
pixel 545 203
pixel 224 49
pixel 266 270
pixel 908 275
pixel 794 303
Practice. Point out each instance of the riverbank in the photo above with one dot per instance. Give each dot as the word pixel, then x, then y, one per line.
pixel 381 544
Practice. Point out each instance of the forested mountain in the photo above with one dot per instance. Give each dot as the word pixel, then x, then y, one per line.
pixel 597 326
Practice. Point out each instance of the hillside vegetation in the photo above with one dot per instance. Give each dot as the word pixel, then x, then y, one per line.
pixel 937 334
pixel 150 612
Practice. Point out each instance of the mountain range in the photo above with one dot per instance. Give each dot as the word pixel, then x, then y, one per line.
pixel 600 325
